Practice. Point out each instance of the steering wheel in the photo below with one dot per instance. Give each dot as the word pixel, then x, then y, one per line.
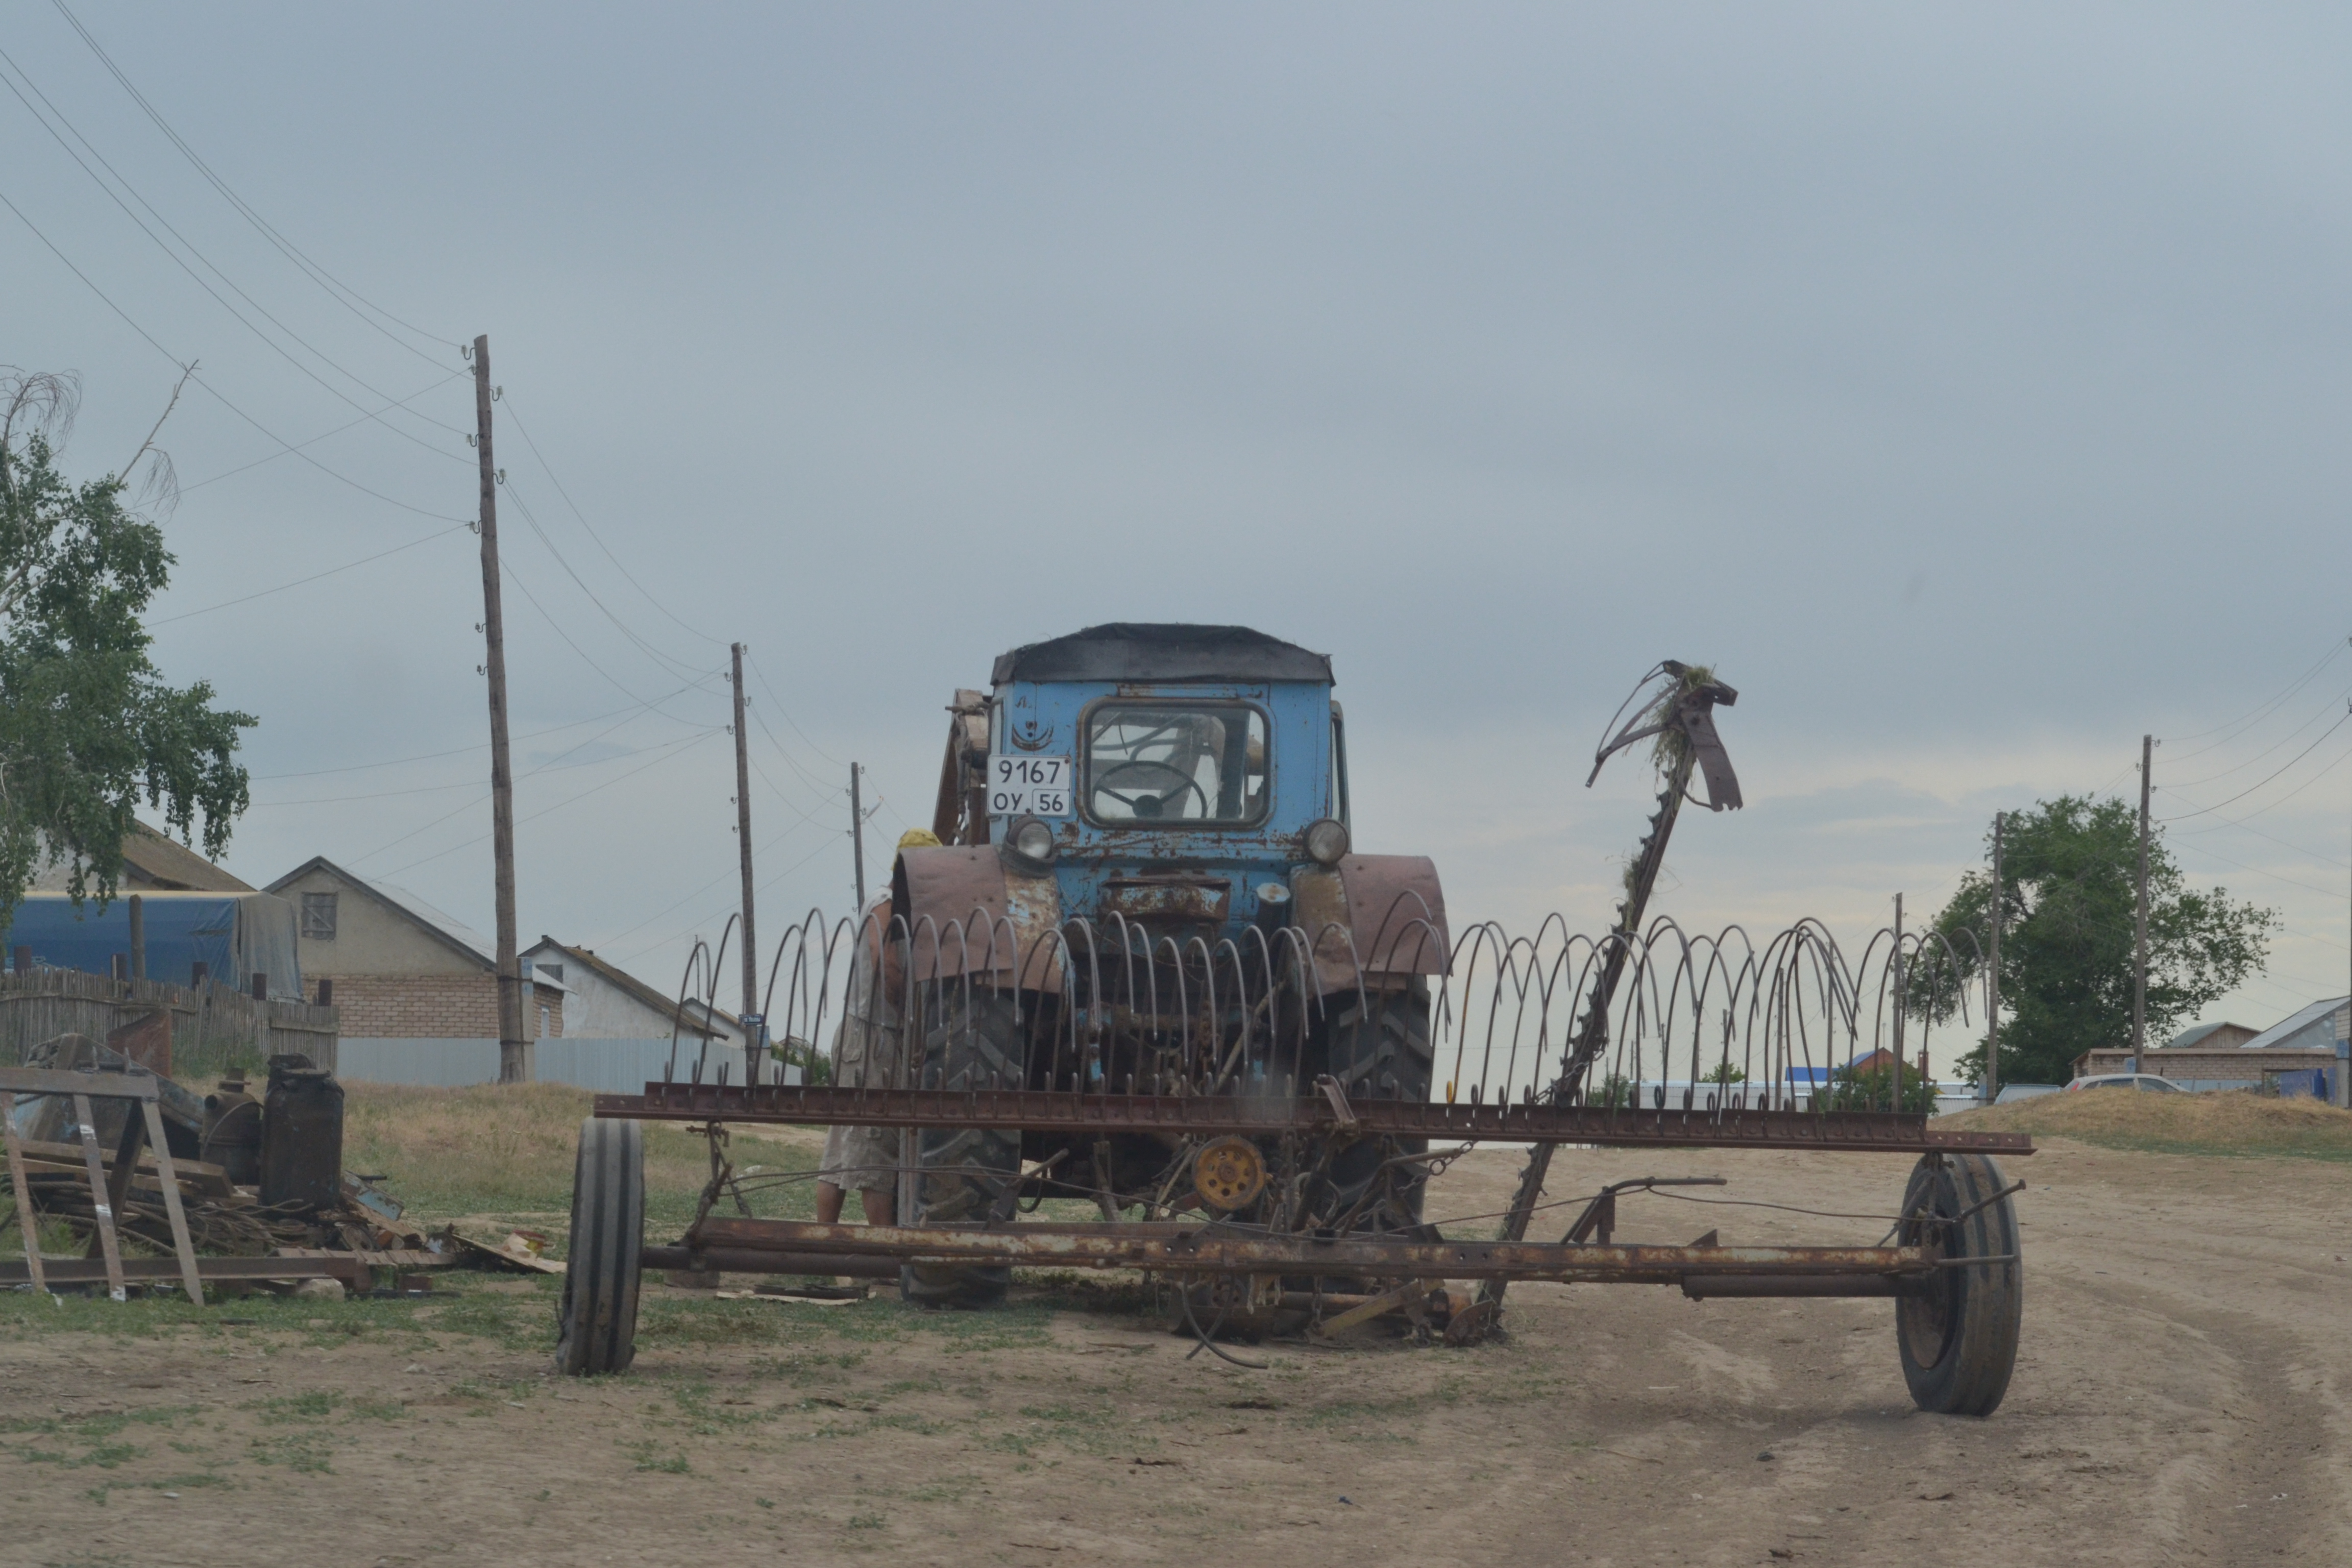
pixel 1159 799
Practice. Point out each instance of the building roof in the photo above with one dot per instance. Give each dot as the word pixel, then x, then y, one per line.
pixel 1143 650
pixel 2316 1021
pixel 612 975
pixel 152 862
pixel 2197 1035
pixel 160 862
pixel 448 929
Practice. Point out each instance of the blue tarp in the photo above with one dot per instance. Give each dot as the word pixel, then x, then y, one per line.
pixel 234 935
pixel 2306 1083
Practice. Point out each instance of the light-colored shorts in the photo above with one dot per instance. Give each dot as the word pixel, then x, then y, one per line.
pixel 866 1158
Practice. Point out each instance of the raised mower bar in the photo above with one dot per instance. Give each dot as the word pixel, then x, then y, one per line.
pixel 1179 1248
pixel 1862 1131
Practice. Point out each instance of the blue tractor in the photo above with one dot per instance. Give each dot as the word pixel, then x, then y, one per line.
pixel 1147 887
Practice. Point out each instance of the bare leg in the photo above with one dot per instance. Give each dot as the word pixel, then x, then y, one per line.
pixel 881 1205
pixel 828 1203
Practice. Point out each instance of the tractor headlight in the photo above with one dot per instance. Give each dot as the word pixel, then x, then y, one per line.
pixel 1030 842
pixel 1326 839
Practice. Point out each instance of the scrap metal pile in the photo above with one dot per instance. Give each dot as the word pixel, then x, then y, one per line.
pixel 230 1186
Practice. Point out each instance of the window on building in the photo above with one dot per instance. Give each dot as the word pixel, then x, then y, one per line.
pixel 319 916
pixel 543 1023
pixel 552 971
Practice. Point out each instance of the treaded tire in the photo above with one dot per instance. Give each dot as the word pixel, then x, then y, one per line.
pixel 970 1041
pixel 1958 1342
pixel 1381 1054
pixel 597 1325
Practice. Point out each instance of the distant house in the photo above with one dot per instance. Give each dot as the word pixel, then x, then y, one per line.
pixel 2316 1027
pixel 605 1001
pixel 2210 1038
pixel 2232 1055
pixel 399 969
pixel 197 924
pixel 152 862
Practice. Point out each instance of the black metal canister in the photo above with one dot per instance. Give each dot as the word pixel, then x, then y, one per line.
pixel 302 1135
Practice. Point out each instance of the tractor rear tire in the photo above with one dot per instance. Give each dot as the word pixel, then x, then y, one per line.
pixel 1382 1050
pixel 971 1041
pixel 1958 1339
pixel 597 1325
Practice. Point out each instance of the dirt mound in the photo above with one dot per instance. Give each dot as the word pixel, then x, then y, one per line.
pixel 2221 1123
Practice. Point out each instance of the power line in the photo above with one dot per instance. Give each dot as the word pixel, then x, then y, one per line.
pixel 675 749
pixel 177 364
pixel 638 953
pixel 461 784
pixel 784 711
pixel 2259 871
pixel 2340 698
pixel 2298 789
pixel 343 293
pixel 675 666
pixel 478 746
pixel 591 532
pixel 315 576
pixel 232 473
pixel 507 569
pixel 196 278
pixel 2261 712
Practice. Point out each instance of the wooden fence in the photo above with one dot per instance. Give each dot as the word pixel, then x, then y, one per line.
pixel 215 1029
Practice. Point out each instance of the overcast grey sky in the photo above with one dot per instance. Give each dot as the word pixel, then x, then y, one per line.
pixel 1968 384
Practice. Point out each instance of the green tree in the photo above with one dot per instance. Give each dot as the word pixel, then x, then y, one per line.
pixel 87 724
pixel 2068 901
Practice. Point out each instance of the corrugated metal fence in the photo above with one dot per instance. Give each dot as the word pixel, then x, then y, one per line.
pixel 214 1028
pixel 609 1067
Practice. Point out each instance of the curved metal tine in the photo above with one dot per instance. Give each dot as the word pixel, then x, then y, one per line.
pixel 1182 982
pixel 677 1012
pixel 1197 1069
pixel 1242 1004
pixel 1237 1058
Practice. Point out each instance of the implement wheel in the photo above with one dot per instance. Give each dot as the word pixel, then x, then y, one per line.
pixel 597 1328
pixel 970 1041
pixel 1958 1339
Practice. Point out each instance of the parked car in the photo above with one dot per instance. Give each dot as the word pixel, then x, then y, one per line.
pixel 2147 1080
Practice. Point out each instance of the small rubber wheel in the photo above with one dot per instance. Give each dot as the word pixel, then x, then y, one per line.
pixel 597 1326
pixel 1959 1337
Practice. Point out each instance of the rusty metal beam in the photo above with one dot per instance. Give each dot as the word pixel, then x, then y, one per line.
pixel 1860 1131
pixel 1178 1247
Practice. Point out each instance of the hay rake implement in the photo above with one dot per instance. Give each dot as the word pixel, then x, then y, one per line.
pixel 1252 1084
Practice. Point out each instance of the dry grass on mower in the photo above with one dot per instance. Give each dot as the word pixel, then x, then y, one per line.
pixel 2236 1122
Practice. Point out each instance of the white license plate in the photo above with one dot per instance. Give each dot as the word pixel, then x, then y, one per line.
pixel 1030 786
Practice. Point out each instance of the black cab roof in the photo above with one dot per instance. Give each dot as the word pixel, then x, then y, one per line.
pixel 1153 651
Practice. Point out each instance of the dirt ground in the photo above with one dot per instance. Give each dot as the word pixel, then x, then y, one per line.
pixel 2177 1400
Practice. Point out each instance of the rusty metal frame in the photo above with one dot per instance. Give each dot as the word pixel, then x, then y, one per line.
pixel 1856 1131
pixel 772 1246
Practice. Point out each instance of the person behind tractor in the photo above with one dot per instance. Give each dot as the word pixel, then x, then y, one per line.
pixel 868 1052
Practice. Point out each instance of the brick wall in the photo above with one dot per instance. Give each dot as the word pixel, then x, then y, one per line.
pixel 435 1008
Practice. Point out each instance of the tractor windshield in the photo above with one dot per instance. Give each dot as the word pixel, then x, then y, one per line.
pixel 1166 762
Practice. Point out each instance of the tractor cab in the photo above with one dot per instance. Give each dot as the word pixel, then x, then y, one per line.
pixel 1172 778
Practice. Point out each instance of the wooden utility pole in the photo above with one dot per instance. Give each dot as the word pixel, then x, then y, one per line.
pixel 514 1046
pixel 857 837
pixel 743 853
pixel 2139 924
pixel 1990 1082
